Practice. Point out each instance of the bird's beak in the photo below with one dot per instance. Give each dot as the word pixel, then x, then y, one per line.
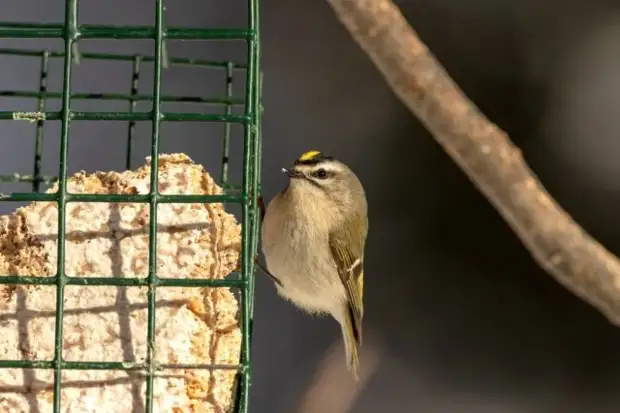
pixel 292 173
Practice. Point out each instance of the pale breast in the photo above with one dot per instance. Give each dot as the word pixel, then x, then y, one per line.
pixel 297 253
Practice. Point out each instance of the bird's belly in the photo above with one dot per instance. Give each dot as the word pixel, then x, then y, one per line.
pixel 310 282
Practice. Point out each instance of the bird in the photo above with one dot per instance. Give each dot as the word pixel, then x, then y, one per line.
pixel 313 238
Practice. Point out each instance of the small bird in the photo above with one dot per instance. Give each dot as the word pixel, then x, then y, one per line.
pixel 313 237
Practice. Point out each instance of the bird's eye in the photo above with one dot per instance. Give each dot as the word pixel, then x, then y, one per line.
pixel 321 174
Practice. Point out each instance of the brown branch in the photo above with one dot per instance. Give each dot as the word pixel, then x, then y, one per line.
pixel 333 389
pixel 484 152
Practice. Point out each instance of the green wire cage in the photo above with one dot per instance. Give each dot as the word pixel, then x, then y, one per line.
pixel 244 193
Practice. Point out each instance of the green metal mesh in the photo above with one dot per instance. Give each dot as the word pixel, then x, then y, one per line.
pixel 245 194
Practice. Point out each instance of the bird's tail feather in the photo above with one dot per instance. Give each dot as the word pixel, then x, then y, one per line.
pixel 351 343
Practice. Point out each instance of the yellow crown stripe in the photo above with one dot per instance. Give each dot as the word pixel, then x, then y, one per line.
pixel 307 156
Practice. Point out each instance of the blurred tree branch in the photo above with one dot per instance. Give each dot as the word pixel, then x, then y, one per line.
pixel 484 152
pixel 332 389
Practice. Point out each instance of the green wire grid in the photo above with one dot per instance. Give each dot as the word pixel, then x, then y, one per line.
pixel 245 194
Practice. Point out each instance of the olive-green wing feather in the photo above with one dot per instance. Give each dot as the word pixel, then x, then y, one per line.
pixel 347 247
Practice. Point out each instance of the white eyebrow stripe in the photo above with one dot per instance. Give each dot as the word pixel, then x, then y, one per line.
pixel 330 167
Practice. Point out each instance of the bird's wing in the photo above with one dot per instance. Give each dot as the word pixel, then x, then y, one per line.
pixel 347 248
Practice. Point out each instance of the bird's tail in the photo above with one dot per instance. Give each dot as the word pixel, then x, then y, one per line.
pixel 351 342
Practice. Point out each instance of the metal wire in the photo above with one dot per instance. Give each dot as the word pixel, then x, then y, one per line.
pixel 245 194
